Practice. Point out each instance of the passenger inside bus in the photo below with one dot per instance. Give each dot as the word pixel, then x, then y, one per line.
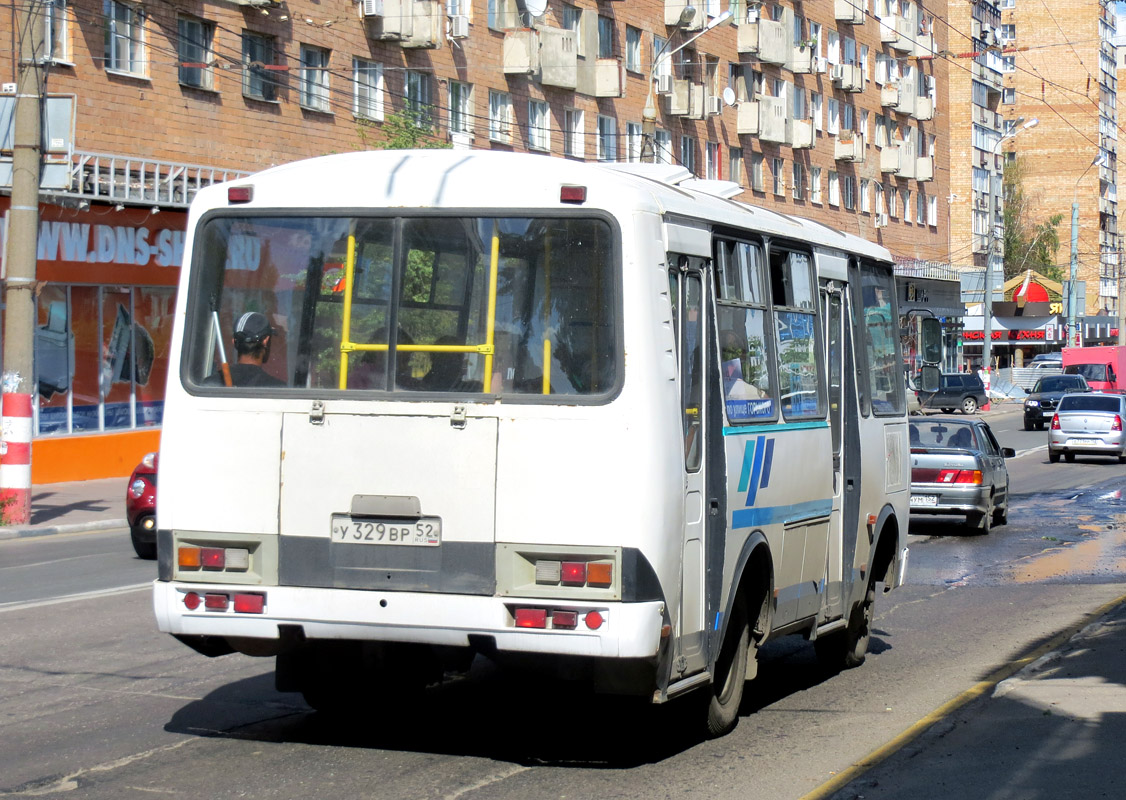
pixel 252 337
pixel 447 370
pixel 733 352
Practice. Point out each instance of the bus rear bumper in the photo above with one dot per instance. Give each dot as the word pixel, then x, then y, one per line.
pixel 617 630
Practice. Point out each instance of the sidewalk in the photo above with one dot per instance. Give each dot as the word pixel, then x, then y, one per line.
pixel 73 507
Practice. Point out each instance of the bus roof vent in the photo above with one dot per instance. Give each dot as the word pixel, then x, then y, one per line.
pixel 724 189
pixel 672 174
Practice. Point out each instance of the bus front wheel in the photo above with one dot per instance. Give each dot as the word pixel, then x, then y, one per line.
pixel 731 673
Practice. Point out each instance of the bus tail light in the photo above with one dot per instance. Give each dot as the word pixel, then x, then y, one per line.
pixel 599 573
pixel 531 618
pixel 216 602
pixel 213 559
pixel 565 619
pixel 596 574
pixel 189 557
pixel 250 603
pixel 573 573
pixel 593 620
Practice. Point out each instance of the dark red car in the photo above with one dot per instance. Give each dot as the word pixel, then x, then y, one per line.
pixel 140 506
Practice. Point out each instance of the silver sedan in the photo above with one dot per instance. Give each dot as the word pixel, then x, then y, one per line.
pixel 1090 424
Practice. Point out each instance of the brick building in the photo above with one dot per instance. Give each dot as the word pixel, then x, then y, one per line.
pixel 830 111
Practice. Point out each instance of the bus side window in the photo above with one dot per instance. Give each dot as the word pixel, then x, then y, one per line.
pixel 691 367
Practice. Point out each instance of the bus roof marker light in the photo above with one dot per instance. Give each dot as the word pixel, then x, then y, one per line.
pixel 572 194
pixel 240 194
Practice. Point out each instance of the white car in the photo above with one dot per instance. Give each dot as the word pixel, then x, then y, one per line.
pixel 1089 423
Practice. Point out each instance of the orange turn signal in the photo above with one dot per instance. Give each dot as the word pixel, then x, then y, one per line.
pixel 189 557
pixel 599 573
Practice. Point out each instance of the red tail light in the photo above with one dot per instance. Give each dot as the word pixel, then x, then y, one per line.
pixel 1055 422
pixel 1117 424
pixel 531 618
pixel 959 476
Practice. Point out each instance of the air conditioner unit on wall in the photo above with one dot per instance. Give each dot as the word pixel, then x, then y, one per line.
pixel 459 26
pixel 881 220
pixel 372 8
pixel 714 104
pixel 664 84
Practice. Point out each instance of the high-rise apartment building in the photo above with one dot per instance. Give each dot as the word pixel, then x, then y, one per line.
pixel 826 110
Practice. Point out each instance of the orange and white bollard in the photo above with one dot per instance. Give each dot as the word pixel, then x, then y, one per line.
pixel 15 459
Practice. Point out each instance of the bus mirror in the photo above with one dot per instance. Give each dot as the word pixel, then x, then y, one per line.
pixel 929 378
pixel 931 340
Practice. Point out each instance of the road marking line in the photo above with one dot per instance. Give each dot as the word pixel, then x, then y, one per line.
pixel 70 598
pixel 881 754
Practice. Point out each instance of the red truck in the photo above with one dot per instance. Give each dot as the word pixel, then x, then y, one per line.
pixel 1103 367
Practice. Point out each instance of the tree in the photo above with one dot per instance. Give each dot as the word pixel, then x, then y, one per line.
pixel 1028 244
pixel 408 129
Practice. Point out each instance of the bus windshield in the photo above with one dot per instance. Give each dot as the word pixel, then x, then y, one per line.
pixel 493 305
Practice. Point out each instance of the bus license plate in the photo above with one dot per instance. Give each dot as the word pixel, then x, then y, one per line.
pixel 924 500
pixel 424 532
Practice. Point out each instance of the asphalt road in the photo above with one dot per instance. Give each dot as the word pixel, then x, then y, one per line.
pixel 97 704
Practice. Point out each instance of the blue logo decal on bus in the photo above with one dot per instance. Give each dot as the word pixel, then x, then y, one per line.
pixel 758 455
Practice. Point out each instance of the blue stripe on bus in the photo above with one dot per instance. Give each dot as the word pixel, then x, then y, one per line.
pixel 751 430
pixel 767 515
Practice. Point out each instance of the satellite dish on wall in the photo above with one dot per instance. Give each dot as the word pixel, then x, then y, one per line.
pixel 729 96
pixel 536 7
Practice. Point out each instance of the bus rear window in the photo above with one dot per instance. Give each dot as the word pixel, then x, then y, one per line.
pixel 467 305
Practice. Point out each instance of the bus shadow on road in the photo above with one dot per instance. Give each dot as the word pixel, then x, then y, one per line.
pixel 505 714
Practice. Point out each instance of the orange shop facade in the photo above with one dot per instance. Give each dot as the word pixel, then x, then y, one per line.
pixel 105 295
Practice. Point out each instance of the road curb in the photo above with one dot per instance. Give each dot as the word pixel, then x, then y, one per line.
pixel 979 690
pixel 70 527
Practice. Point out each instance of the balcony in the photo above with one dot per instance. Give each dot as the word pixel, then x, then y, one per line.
pixel 686 99
pixel 609 77
pixel 898 161
pixel 888 33
pixel 774 122
pixel 848 77
pixel 559 64
pixel 801 60
pixel 905 31
pixel 988 76
pixel 521 51
pixel 747 121
pixel 849 11
pixel 924 109
pixel 889 95
pixel 802 130
pixel 673 9
pixel 924 168
pixel 923 45
pixel 428 23
pixel 849 147
pixel 766 39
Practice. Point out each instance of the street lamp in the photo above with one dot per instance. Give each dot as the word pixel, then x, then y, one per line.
pixel 1073 339
pixel 995 259
pixel 649 113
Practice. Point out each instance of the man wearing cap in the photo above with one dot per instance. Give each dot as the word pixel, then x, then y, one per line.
pixel 252 346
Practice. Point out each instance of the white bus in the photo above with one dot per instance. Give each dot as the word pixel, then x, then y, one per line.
pixel 600 416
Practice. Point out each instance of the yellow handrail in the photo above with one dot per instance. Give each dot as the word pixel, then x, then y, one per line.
pixel 346 345
pixel 490 323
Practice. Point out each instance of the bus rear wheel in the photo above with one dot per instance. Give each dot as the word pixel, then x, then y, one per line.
pixel 848 648
pixel 726 692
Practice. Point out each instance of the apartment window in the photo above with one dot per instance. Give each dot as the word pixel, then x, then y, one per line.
pixel 834 116
pixel 664 66
pixel 500 15
pixel 194 51
pixel 932 211
pixel 815 184
pixel 539 130
pixel 633 142
pixel 367 82
pixel 906 205
pixel 881 131
pixel 848 117
pixel 573 133
pixel 688 153
pixel 605 37
pixel 834 189
pixel 735 165
pixel 662 146
pixel 1008 32
pixel 1008 96
pixel 892 201
pixel 799 103
pixel 125 38
pixel 815 101
pixel 834 56
pixel 921 208
pixel 797 185
pixel 633 49
pixel 420 101
pixel 864 117
pixel 314 78
pixel 500 116
pixel 1008 3
pixel 55 37
pixel 572 21
pixel 848 192
pixel 865 202
pixel 864 60
pixel 711 161
pixel 779 177
pixel 881 205
pixel 607 139
pixel 461 107
pixel 258 83
pixel 757 166
pixel 1008 63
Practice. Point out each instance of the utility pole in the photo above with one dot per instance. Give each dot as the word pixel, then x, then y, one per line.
pixel 19 283
pixel 1073 337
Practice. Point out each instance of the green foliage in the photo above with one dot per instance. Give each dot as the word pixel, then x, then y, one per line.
pixel 408 129
pixel 1028 244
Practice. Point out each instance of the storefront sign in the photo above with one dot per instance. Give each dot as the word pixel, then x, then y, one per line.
pixel 1011 336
